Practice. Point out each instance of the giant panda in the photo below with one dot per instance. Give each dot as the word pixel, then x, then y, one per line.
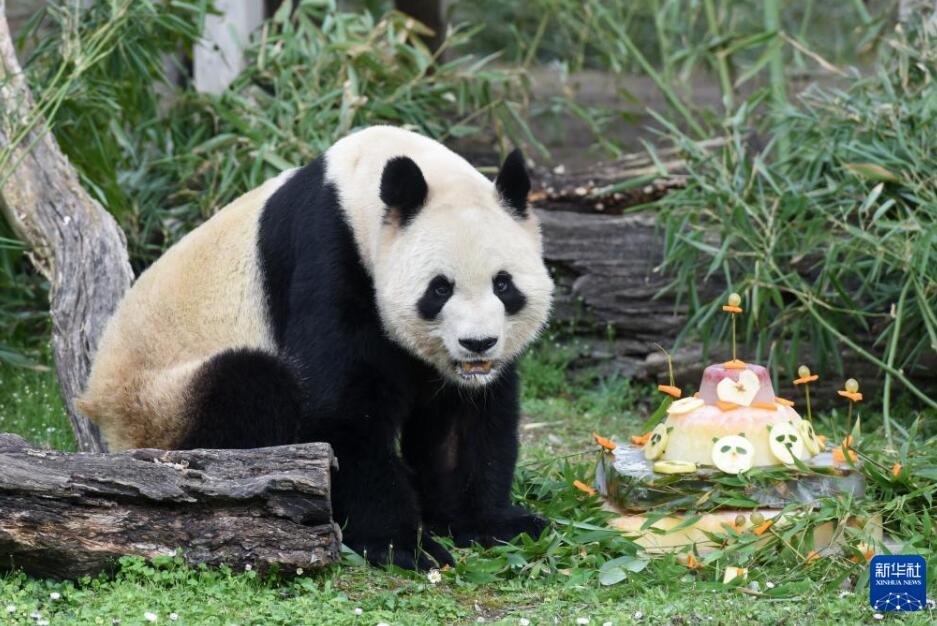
pixel 377 299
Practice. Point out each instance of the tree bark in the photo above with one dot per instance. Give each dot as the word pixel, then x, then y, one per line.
pixel 73 241
pixel 70 515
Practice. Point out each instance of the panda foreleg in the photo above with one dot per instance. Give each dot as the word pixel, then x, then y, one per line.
pixel 471 498
pixel 242 398
pixel 374 500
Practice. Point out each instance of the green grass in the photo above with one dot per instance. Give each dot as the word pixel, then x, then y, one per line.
pixel 552 580
pixel 204 597
pixel 30 405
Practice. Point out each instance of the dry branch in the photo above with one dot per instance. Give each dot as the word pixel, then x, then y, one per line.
pixel 72 240
pixel 68 515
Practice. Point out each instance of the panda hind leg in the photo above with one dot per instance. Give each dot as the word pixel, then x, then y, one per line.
pixel 243 398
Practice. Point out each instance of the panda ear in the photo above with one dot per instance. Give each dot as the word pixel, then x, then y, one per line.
pixel 403 188
pixel 513 183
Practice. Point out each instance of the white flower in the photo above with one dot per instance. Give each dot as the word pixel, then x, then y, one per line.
pixel 358 610
pixel 42 622
pixel 843 594
pixel 877 616
pixel 607 624
pixel 383 624
pixel 248 567
pixel 523 621
pixel 299 571
pixel 150 617
pixel 55 595
pixel 769 585
pixel 11 608
pixel 173 616
pixel 638 615
pixel 582 621
pixel 434 576
pixel 35 615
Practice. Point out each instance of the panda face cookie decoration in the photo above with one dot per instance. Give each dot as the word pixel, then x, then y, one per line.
pixel 733 454
pixel 786 443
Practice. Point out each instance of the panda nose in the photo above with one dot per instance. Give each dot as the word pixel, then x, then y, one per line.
pixel 478 345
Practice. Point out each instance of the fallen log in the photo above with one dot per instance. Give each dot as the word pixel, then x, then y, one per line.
pixel 605 260
pixel 69 515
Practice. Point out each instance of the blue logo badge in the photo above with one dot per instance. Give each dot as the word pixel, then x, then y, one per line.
pixel 898 583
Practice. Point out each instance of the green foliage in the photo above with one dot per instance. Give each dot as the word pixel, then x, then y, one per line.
pixel 677 34
pixel 835 243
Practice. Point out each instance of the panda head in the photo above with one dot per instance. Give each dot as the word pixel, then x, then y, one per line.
pixel 459 277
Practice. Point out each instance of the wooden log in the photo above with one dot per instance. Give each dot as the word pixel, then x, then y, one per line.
pixel 69 515
pixel 606 260
pixel 72 240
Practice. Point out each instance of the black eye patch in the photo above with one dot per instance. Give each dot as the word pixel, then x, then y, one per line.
pixel 435 297
pixel 508 293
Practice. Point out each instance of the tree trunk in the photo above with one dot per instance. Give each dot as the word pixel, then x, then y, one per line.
pixel 70 515
pixel 73 241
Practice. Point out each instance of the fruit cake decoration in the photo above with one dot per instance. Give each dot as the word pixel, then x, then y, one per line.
pixel 666 485
pixel 734 423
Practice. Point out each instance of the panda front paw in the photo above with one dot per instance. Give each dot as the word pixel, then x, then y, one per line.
pixel 411 551
pixel 493 529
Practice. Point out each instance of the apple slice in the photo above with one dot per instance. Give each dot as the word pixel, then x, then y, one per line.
pixel 687 405
pixel 786 443
pixel 741 391
pixel 674 467
pixel 733 454
pixel 657 443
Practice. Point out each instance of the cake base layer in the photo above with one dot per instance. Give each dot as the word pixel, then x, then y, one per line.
pixel 672 534
pixel 627 480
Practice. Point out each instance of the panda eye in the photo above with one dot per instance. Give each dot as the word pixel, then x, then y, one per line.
pixel 502 282
pixel 441 286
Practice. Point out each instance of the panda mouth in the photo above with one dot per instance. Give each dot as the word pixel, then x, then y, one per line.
pixel 473 369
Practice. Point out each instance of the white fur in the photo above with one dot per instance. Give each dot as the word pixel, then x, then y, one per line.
pixel 463 232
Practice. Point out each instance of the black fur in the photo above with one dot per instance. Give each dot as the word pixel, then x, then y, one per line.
pixel 339 379
pixel 513 183
pixel 243 399
pixel 513 298
pixel 403 188
pixel 434 298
